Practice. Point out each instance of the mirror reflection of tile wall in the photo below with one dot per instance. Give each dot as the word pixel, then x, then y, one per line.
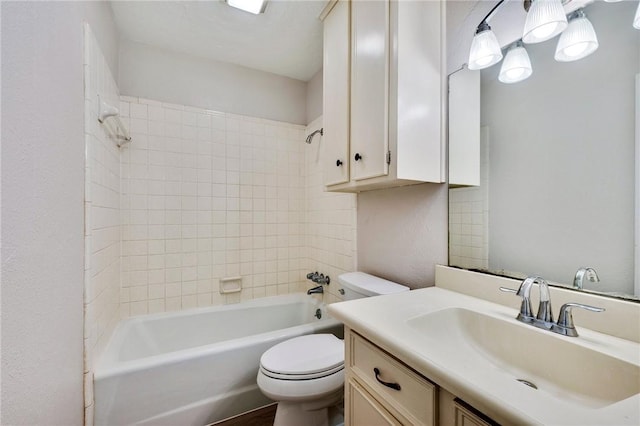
pixel 469 217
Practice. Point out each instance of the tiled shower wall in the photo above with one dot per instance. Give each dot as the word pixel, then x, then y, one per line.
pixel 330 221
pixel 207 196
pixel 102 214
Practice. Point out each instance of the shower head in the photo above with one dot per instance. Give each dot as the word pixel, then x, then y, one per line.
pixel 310 137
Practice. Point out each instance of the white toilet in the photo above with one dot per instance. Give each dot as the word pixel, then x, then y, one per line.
pixel 306 374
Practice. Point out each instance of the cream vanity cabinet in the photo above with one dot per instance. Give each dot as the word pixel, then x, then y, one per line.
pixel 383 95
pixel 381 390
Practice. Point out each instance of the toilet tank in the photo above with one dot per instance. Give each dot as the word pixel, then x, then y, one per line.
pixel 357 285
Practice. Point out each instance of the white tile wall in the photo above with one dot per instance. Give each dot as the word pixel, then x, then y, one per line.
pixel 469 219
pixel 330 221
pixel 102 215
pixel 204 196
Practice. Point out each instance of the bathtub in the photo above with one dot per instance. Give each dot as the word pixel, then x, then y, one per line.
pixel 198 366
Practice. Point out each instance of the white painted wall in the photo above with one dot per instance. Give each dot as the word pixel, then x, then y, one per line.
pixel 561 171
pixel 314 97
pixel 402 233
pixel 42 207
pixel 154 73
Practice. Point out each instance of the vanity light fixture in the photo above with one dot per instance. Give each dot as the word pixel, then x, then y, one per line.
pixel 516 65
pixel 485 49
pixel 578 40
pixel 252 6
pixel 545 20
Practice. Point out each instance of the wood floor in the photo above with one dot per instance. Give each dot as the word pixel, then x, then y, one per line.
pixel 259 417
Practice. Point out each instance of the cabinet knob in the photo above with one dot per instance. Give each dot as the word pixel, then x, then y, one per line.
pixel 338 163
pixel 357 157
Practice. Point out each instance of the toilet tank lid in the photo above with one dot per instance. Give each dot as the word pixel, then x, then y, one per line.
pixel 370 285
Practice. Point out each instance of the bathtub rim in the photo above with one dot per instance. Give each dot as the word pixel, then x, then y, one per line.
pixel 108 366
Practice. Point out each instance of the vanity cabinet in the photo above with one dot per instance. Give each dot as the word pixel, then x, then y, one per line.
pixel 381 390
pixel 394 394
pixel 383 96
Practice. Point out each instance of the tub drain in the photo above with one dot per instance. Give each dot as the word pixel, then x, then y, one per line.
pixel 528 383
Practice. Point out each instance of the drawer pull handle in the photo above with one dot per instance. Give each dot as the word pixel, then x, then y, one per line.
pixel 395 386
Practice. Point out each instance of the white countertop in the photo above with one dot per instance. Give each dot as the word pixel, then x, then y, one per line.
pixel 383 320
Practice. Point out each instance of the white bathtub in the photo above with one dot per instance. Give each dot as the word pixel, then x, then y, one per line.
pixel 198 366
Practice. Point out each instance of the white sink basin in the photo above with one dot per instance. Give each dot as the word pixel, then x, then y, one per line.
pixel 556 365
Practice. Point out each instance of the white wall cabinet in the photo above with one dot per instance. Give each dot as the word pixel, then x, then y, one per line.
pixel 384 94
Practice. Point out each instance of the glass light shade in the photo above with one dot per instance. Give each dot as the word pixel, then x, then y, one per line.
pixel 252 6
pixel 516 65
pixel 578 40
pixel 636 19
pixel 545 20
pixel 485 50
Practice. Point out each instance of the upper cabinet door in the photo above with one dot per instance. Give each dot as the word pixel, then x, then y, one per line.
pixel 369 89
pixel 336 56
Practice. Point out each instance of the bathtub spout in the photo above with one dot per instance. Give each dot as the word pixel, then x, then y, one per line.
pixel 315 290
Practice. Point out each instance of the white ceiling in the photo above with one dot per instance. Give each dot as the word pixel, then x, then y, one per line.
pixel 285 40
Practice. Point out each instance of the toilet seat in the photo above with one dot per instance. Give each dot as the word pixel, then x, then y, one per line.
pixel 303 367
pixel 304 358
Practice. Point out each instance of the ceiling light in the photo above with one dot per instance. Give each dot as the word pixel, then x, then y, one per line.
pixel 545 20
pixel 636 19
pixel 516 65
pixel 252 6
pixel 485 50
pixel 578 40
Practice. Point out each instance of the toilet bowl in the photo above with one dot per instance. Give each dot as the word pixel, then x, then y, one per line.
pixel 306 374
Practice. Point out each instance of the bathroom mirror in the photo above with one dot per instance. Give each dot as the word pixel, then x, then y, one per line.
pixel 558 175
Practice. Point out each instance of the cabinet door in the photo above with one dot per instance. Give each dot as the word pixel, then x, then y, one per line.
pixel 468 416
pixel 335 74
pixel 364 410
pixel 369 89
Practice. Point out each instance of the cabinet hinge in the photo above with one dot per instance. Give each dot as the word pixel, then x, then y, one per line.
pixel 388 157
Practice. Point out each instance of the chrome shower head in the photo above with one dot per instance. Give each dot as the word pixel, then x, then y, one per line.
pixel 310 137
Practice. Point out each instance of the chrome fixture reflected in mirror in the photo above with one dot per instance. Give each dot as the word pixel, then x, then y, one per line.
pixel 557 190
pixel 582 273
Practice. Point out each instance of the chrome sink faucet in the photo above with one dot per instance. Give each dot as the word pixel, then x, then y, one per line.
pixel 582 273
pixel 544 318
pixel 524 291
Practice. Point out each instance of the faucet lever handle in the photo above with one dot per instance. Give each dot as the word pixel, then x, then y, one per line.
pixel 565 323
pixel 508 290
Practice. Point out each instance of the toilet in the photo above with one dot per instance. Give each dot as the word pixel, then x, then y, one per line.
pixel 306 374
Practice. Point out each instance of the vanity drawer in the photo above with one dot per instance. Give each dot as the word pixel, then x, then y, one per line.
pixel 407 392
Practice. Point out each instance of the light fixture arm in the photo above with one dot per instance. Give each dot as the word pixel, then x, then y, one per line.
pixel 488 15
